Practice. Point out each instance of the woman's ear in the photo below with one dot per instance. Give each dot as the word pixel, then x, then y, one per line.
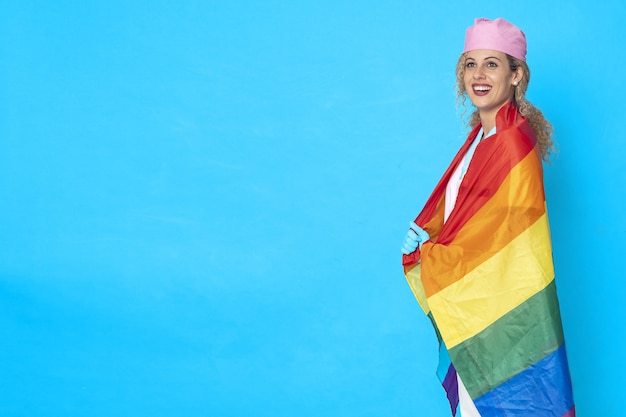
pixel 518 75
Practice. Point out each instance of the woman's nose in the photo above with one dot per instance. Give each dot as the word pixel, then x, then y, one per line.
pixel 478 73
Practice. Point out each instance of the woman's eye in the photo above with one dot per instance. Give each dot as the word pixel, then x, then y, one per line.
pixel 492 65
pixel 470 65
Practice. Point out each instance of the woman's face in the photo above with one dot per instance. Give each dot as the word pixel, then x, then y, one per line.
pixel 489 80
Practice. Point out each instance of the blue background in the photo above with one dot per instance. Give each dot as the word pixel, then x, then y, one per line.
pixel 202 203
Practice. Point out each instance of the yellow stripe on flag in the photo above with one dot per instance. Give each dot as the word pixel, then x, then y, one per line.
pixel 495 287
pixel 413 276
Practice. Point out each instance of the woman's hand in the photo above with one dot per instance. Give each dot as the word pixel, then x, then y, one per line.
pixel 414 238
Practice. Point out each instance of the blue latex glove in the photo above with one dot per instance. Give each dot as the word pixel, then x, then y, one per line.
pixel 414 238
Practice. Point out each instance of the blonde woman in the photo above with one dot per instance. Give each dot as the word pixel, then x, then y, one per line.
pixel 478 257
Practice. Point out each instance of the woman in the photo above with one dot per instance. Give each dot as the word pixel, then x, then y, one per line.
pixel 478 257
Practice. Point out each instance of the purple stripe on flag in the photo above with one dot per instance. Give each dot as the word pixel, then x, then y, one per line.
pixel 451 385
pixel 570 413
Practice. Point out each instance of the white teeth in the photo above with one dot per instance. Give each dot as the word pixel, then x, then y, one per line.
pixel 482 88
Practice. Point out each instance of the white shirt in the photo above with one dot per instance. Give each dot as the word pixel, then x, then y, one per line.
pixel 452 189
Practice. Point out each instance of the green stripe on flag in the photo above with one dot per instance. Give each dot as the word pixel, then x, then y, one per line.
pixel 514 342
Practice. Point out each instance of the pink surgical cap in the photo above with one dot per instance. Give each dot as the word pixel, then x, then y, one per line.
pixel 498 35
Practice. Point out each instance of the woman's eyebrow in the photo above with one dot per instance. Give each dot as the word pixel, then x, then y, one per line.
pixel 484 59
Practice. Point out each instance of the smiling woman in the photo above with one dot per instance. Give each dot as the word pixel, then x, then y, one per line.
pixel 489 81
pixel 479 258
pixel 500 78
pixel 201 201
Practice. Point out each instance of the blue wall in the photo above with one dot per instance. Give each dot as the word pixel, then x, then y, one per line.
pixel 203 202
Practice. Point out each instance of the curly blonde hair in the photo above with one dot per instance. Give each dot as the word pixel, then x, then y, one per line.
pixel 542 128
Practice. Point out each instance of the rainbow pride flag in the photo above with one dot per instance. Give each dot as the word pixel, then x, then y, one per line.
pixel 486 280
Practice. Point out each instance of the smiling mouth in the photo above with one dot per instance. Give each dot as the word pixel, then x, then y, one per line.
pixel 481 90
